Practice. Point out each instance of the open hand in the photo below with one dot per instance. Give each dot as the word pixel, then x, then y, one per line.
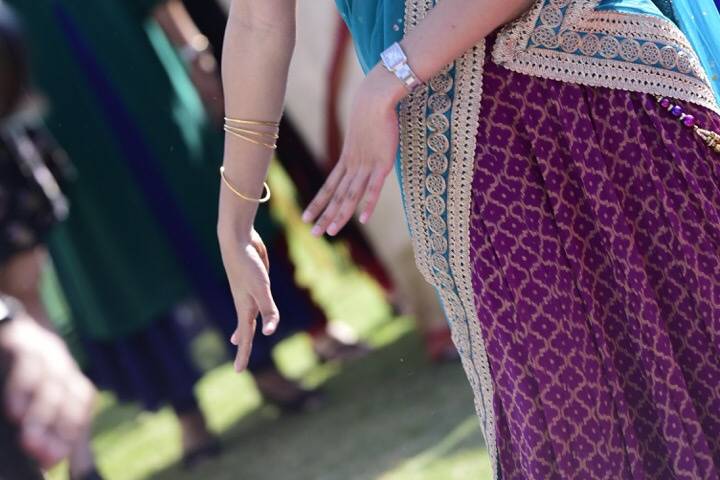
pixel 247 266
pixel 367 157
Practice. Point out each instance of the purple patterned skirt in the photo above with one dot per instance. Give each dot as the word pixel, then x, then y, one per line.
pixel 595 238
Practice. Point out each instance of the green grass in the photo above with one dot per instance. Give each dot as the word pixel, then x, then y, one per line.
pixel 390 416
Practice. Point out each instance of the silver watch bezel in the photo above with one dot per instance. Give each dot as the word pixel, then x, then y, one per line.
pixel 395 61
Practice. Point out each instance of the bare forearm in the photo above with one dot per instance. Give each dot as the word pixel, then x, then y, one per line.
pixel 449 30
pixel 258 47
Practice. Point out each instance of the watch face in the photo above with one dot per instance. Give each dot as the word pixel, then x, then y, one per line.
pixel 393 56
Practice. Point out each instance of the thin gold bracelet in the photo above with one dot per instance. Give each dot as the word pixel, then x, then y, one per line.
pixel 230 186
pixel 231 131
pixel 254 133
pixel 252 122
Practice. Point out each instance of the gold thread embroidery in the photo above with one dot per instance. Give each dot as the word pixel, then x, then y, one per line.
pixel 465 122
pixel 603 49
pixel 437 170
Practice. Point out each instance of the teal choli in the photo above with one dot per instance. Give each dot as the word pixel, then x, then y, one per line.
pixel 375 24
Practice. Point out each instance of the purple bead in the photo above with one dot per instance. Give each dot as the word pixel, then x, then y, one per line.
pixel 676 111
pixel 665 102
pixel 689 121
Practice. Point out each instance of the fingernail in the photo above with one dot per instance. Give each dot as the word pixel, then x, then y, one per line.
pixel 317 231
pixel 332 229
pixel 269 329
pixel 233 339
pixel 364 217
pixel 306 216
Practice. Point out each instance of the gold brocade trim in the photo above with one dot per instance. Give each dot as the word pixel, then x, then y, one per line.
pixel 569 41
pixel 437 141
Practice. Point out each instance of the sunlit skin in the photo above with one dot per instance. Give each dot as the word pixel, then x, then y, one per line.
pixel 258 48
pixel 45 394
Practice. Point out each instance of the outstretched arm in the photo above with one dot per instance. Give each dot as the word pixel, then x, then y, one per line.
pixel 449 30
pixel 258 47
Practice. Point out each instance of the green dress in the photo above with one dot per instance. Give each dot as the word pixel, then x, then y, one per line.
pixel 122 105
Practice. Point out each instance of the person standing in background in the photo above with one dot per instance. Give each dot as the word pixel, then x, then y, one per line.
pixel 140 240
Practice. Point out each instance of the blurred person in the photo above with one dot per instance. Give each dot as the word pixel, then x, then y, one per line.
pixel 47 402
pixel 139 242
pixel 559 163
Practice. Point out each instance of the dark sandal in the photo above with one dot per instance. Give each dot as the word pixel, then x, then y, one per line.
pixel 210 450
pixel 302 402
pixel 335 350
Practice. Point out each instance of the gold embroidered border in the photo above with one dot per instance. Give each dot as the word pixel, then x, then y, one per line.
pixel 444 177
pixel 465 122
pixel 529 45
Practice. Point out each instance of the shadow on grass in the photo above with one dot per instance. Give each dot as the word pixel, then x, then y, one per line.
pixel 382 411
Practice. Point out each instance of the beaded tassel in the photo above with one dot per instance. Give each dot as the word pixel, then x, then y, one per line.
pixel 710 138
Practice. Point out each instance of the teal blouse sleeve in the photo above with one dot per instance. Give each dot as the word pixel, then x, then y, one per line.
pixel 700 21
pixel 374 24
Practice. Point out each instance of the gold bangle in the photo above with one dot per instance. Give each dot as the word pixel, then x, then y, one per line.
pixel 254 133
pixel 252 122
pixel 230 186
pixel 230 130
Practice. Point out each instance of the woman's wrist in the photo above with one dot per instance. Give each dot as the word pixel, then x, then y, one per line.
pixel 385 86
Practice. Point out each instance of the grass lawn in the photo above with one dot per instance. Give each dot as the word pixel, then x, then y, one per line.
pixel 390 416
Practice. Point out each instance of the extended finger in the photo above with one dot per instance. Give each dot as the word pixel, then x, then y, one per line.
pixel 372 194
pixel 44 446
pixel 246 312
pixel 24 377
pixel 39 433
pixel 262 295
pixel 318 204
pixel 76 411
pixel 332 208
pixel 350 202
pixel 244 334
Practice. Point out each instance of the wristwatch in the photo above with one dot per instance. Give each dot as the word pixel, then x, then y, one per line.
pixel 395 61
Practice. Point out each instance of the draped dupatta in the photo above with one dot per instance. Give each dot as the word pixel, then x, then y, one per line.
pixel 700 22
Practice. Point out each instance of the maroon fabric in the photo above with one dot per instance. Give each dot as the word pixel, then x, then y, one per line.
pixel 595 238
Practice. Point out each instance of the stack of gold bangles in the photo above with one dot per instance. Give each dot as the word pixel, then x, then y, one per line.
pixel 254 131
pixel 258 132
